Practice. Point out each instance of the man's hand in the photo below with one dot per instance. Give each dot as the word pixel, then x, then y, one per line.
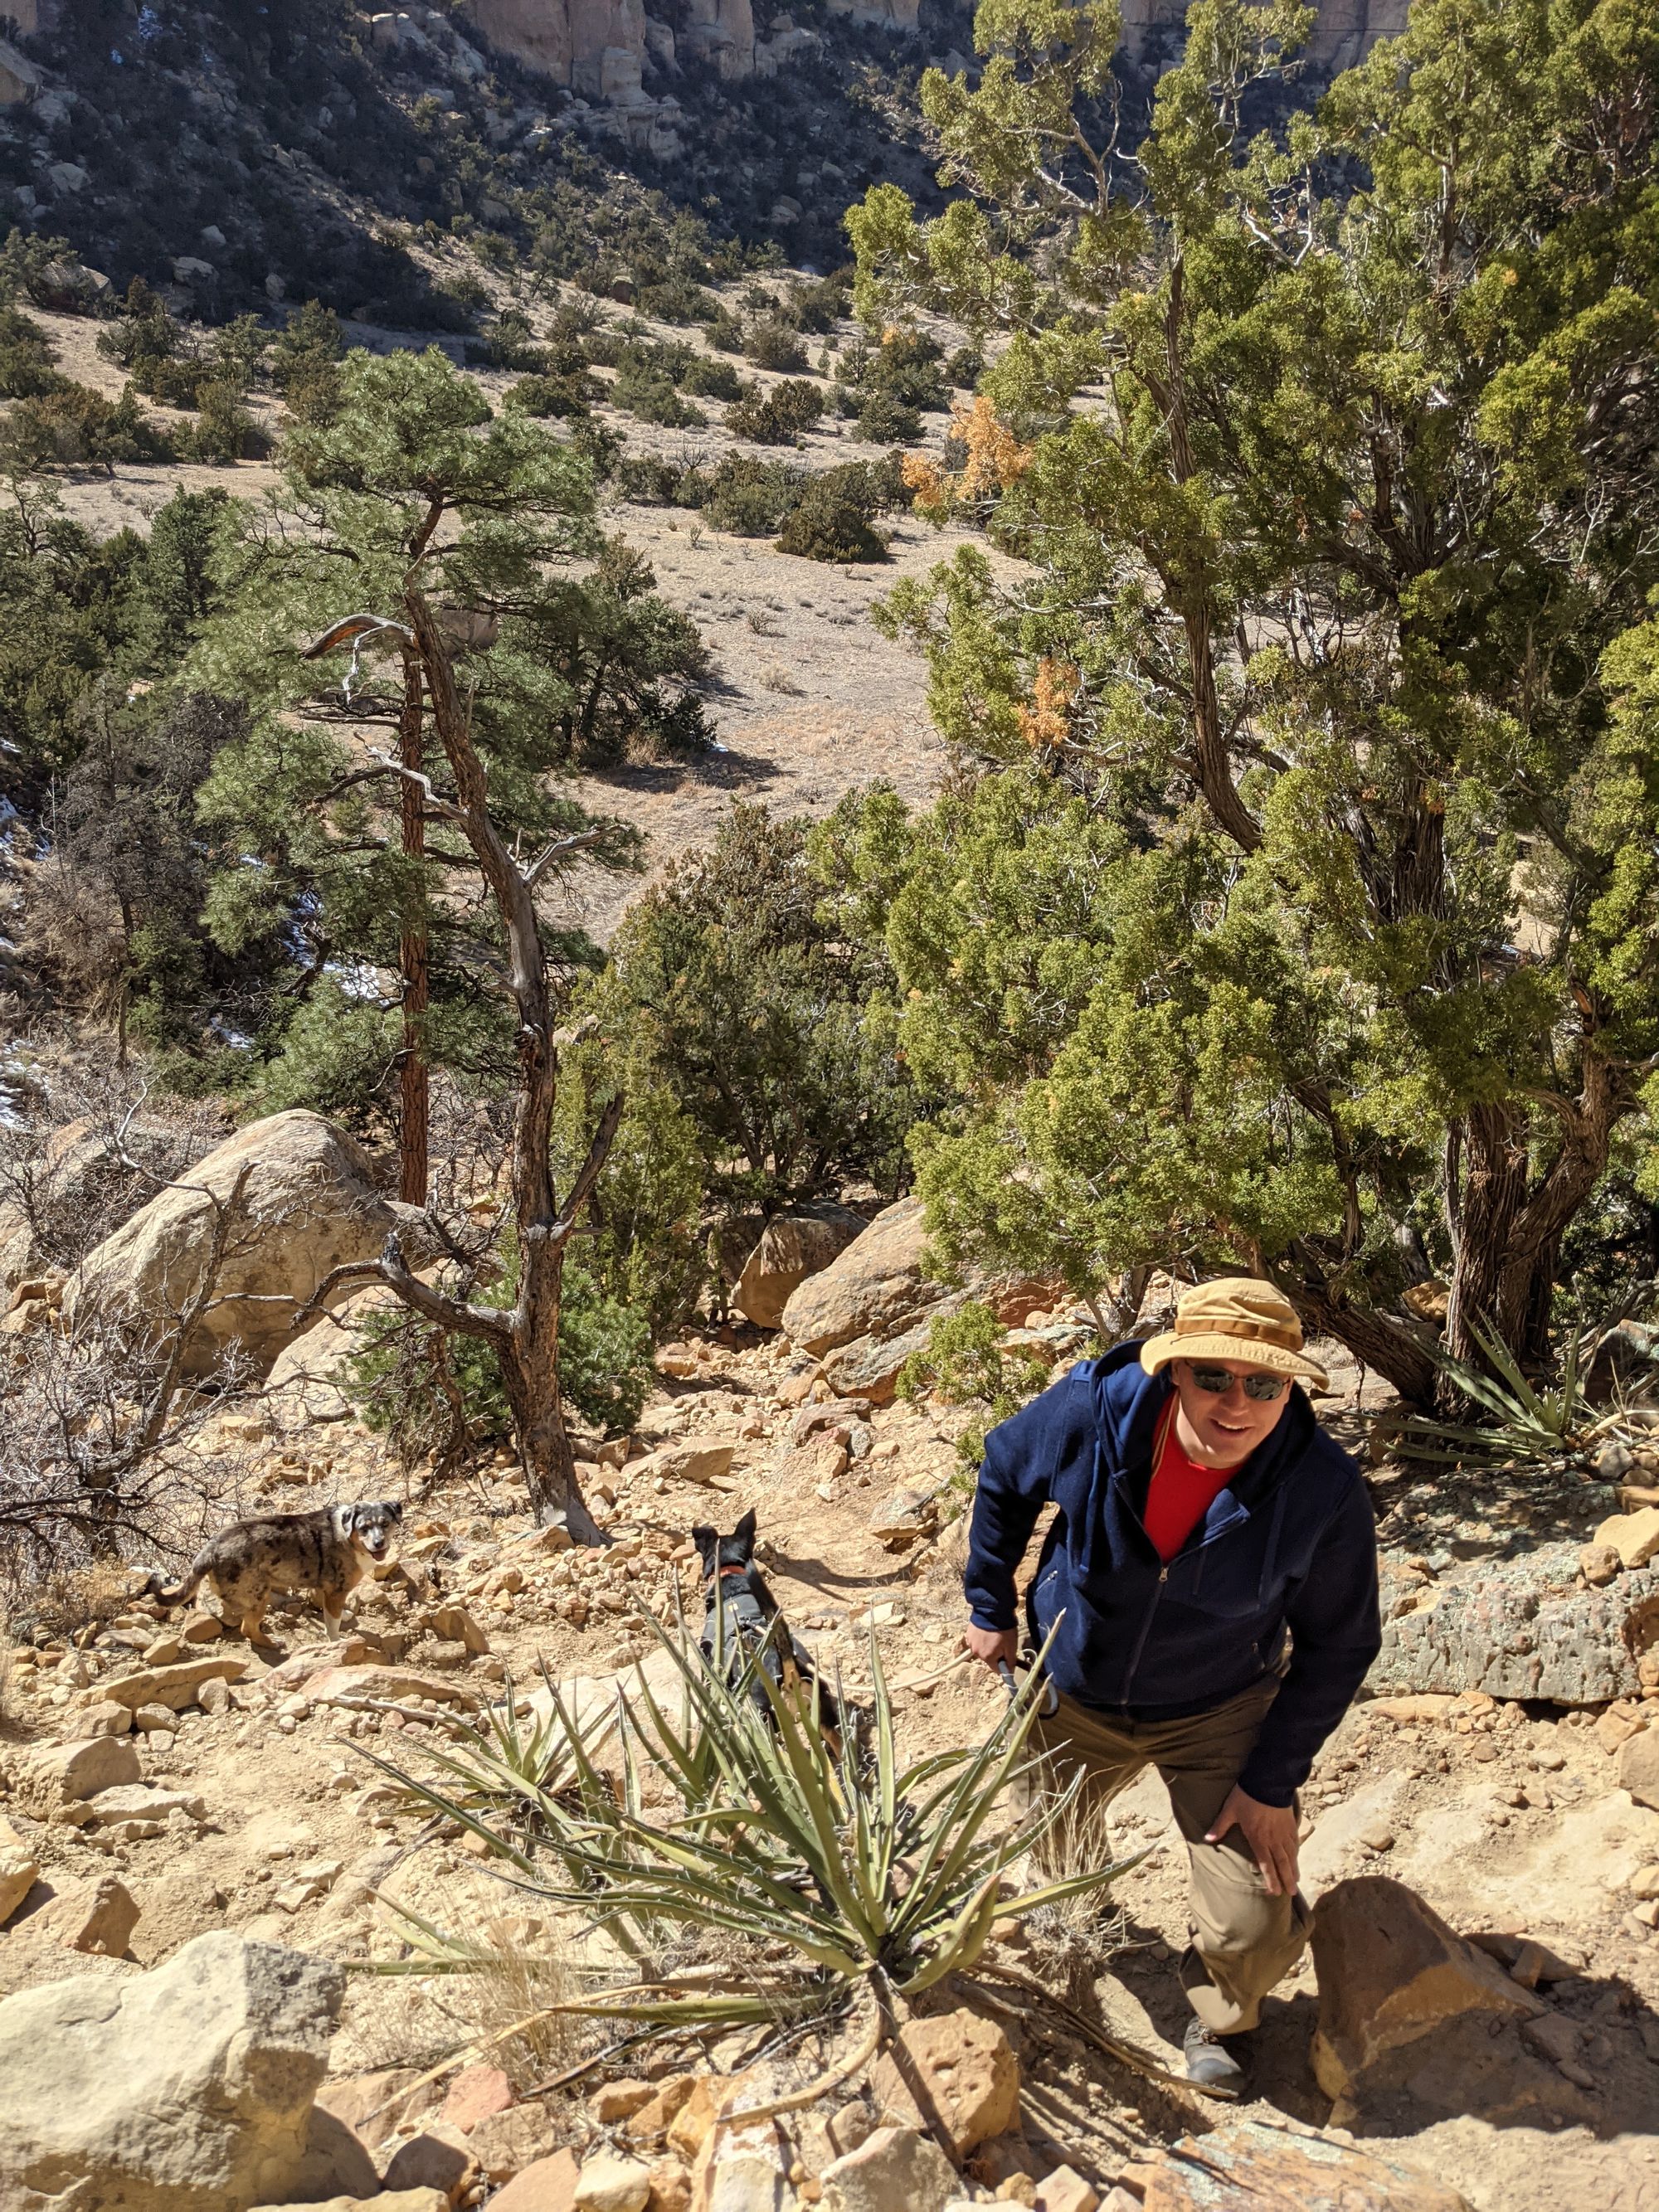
pixel 991 1646
pixel 1270 1832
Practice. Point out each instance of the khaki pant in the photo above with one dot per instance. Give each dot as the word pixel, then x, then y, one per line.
pixel 1241 1939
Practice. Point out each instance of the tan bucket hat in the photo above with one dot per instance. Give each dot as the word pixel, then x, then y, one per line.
pixel 1236 1318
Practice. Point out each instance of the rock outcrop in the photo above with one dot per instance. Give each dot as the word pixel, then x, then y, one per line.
pixel 1391 1975
pixel 873 1305
pixel 1245 2163
pixel 792 1247
pixel 300 1201
pixel 1344 31
pixel 1527 1627
pixel 192 2086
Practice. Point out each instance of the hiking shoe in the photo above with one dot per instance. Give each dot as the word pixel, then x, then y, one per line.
pixel 1215 2062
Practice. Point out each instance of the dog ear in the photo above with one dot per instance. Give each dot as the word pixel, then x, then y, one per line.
pixel 393 1510
pixel 744 1533
pixel 346 1517
pixel 705 1539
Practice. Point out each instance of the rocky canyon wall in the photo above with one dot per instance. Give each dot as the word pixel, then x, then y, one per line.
pixel 598 47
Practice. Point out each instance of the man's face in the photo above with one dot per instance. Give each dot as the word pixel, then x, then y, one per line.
pixel 1222 1428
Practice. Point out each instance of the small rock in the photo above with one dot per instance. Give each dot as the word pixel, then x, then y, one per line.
pixel 609 2184
pixel 1644 1883
pixel 474 2094
pixel 1246 2163
pixel 19 1871
pixel 657 2115
pixel 107 1719
pixel 621 2101
pixel 954 2074
pixel 548 2184
pixel 147 1719
pixel 684 1461
pixel 173 1687
pixel 1633 1536
pixel 509 2142
pixel 893 2169
pixel 1064 2190
pixel 1599 1564
pixel 1638 1767
pixel 671 2187
pixel 214 1697
pixel 438 2157
pixel 1390 1972
pixel 66 1774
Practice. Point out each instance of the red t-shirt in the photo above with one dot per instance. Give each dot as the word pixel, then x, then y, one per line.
pixel 1180 1492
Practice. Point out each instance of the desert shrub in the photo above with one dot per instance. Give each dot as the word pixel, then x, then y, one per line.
pixel 817 307
pixel 829 524
pixel 724 331
pixel 431 1392
pixel 964 369
pixel 777 417
pixel 649 482
pixel 891 384
pixel 565 397
pixel 712 380
pixel 772 345
pixel 967 1362
pixel 605 348
pixel 884 419
pixel 676 300
pixel 743 496
pixel 28 367
pixel 647 391
pixel 226 428
pixel 511 344
pixel 77 427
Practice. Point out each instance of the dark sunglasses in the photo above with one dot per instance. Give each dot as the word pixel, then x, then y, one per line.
pixel 1219 1382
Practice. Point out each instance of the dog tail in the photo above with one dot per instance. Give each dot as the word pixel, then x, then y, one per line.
pixel 177 1592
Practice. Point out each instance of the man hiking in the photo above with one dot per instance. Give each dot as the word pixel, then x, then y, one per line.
pixel 1212 1571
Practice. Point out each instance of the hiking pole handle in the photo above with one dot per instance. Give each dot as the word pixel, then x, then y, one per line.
pixel 1008 1682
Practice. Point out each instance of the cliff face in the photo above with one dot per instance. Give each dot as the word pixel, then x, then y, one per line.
pixel 597 47
pixel 1344 32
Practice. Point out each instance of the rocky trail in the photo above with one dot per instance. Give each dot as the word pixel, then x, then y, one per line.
pixel 185 1811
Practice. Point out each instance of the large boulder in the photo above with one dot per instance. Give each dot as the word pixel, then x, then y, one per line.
pixel 1245 2163
pixel 308 1374
pixel 303 1201
pixel 877 1287
pixel 874 1304
pixel 792 1247
pixel 1526 1627
pixel 189 2089
pixel 1391 1975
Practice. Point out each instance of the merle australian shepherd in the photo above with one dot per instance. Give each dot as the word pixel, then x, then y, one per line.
pixel 743 1617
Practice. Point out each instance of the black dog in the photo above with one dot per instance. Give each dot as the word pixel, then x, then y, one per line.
pixel 743 1617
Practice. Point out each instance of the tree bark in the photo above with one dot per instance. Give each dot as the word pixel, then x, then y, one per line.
pixel 415 1115
pixel 1388 1347
pixel 529 1354
pixel 1510 1226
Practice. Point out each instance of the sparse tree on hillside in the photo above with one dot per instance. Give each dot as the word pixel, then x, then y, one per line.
pixel 409 481
pixel 524 1335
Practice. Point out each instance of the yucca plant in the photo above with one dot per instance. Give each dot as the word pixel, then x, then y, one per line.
pixel 1528 1420
pixel 850 1869
pixel 502 1779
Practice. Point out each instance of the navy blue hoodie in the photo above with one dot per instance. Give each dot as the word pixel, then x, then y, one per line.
pixel 1287 1555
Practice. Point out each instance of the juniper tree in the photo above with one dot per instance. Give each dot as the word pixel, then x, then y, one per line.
pixel 1333 451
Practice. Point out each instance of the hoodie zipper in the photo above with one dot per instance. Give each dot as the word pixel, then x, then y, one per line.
pixel 1146 1630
